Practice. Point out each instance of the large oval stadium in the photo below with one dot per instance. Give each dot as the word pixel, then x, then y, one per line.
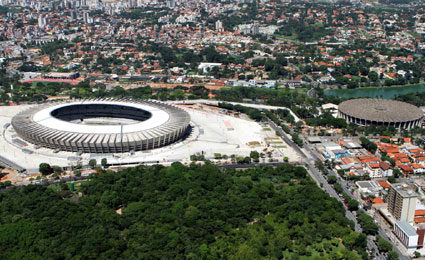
pixel 102 125
pixel 380 112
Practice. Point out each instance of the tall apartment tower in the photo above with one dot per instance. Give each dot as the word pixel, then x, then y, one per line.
pixel 402 202
pixel 171 4
pixel 74 15
pixel 219 26
pixel 132 3
pixel 42 21
pixel 255 28
pixel 86 17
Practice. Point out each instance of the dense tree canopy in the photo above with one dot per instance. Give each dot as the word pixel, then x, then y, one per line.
pixel 368 145
pixel 326 119
pixel 178 212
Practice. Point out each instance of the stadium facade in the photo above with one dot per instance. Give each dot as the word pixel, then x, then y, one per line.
pixel 380 112
pixel 102 125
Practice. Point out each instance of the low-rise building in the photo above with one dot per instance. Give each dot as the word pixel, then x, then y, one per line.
pixel 386 169
pixel 61 75
pixel 374 170
pixel 368 188
pixel 407 234
pixel 417 168
pixel 406 169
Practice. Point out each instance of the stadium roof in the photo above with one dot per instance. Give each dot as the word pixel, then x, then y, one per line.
pixel 380 110
pixel 64 126
pixel 45 118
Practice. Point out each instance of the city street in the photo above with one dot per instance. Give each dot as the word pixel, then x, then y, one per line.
pixel 310 157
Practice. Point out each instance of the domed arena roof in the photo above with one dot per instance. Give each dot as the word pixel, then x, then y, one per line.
pixel 380 110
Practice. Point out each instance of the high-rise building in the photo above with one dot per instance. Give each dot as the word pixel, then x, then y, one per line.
pixel 171 4
pixel 42 21
pixel 68 4
pixel 255 28
pixel 74 15
pixel 86 17
pixel 219 26
pixel 402 202
pixel 132 3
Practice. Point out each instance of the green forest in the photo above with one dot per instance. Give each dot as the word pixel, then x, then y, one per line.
pixel 179 212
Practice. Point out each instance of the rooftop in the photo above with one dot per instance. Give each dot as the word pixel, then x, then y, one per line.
pixel 371 185
pixel 380 110
pixel 404 190
pixel 407 228
pixel 45 118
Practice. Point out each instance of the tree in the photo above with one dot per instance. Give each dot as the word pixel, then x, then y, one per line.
pixel 319 165
pixel 338 188
pixel 368 225
pixel 331 179
pixel 355 240
pixel 45 169
pixel 353 205
pixel 255 156
pixel 383 245
pixel 57 169
pixel 92 163
pixel 397 173
pixel 5 184
pixel 296 139
pixel 368 145
pixel 104 162
pixel 373 76
pixel 202 211
pixel 392 255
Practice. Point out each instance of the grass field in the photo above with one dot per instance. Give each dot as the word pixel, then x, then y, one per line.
pixel 45 83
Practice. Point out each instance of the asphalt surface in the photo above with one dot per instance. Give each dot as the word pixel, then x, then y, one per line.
pixel 310 157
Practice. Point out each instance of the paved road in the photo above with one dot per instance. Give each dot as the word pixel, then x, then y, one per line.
pixel 381 232
pixel 215 102
pixel 310 157
pixel 251 165
pixel 313 82
pixel 311 93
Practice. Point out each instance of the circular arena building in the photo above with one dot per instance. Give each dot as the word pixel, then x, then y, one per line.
pixel 380 112
pixel 102 125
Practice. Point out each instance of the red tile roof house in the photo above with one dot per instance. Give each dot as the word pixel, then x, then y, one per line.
pixel 406 169
pixel 386 169
pixel 374 170
pixel 417 168
pixel 384 184
pixel 419 216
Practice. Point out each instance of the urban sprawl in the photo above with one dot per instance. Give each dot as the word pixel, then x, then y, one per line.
pixel 259 81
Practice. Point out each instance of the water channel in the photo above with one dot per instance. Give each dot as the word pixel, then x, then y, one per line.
pixel 380 92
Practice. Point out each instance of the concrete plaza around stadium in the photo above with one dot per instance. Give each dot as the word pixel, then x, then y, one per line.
pixel 213 132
